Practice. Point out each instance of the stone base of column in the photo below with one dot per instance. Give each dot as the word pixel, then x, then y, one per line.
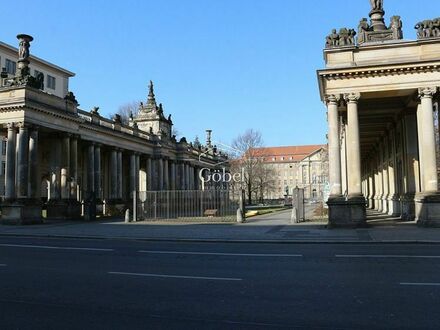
pixel 21 213
pixel 394 206
pixel 427 209
pixel 346 213
pixel 64 210
pixel 407 207
pixel 114 208
pixel 371 203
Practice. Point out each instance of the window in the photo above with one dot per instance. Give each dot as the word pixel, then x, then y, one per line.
pixel 36 73
pixel 50 82
pixel 11 66
pixel 4 147
pixel 3 168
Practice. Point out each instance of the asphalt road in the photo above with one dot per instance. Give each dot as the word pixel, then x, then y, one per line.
pixel 107 284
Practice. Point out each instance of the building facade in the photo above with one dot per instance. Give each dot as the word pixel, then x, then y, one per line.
pixel 382 94
pixel 68 160
pixel 295 166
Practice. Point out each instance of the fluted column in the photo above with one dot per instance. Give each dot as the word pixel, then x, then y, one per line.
pixel 427 143
pixel 353 146
pixel 11 147
pixel 334 152
pixel 34 169
pixel 23 161
pixel 113 174
pixel 74 168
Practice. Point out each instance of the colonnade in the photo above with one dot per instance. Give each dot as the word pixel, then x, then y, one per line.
pixel 397 176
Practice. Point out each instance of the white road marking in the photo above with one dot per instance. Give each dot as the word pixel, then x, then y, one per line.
pixel 54 247
pixel 222 254
pixel 383 256
pixel 420 284
pixel 3 265
pixel 178 276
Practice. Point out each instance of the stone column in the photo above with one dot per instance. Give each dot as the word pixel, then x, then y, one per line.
pixel 23 161
pixel 427 141
pixel 334 152
pixel 371 186
pixel 187 179
pixel 11 147
pixel 91 170
pixel 113 174
pixel 380 176
pixel 149 174
pixel 74 168
pixel 420 145
pixel 353 147
pixel 119 174
pixel 386 183
pixel 160 174
pixel 166 179
pixel 196 178
pixel 98 186
pixel 65 163
pixel 132 174
pixel 173 175
pixel 34 173
pixel 182 176
pixel 136 173
pixel 393 198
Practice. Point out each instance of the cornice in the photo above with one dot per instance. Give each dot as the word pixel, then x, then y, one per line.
pixel 369 71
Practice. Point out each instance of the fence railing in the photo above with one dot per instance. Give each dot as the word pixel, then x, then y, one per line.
pixel 192 204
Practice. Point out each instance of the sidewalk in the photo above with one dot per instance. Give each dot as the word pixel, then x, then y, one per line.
pixel 268 228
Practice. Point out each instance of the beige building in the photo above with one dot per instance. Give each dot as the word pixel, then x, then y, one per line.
pixel 68 160
pixel 296 166
pixel 382 94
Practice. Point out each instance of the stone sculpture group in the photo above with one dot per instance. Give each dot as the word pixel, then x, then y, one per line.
pixel 428 28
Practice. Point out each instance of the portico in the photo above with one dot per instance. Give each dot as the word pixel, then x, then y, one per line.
pixel 381 100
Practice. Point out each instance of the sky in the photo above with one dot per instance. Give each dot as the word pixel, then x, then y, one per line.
pixel 225 65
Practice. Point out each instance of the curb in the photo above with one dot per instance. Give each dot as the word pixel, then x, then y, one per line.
pixel 219 240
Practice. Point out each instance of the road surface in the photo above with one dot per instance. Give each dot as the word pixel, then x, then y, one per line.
pixel 124 284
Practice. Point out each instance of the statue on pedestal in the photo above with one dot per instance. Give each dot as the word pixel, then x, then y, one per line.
pixel 376 4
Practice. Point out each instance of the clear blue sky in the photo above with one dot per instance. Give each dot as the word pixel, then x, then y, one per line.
pixel 227 65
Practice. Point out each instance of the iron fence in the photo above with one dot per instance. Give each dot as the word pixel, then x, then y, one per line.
pixel 187 205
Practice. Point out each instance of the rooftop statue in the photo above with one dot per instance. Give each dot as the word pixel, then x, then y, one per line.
pixel 376 4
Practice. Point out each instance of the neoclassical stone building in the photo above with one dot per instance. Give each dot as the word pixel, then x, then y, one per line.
pixel 382 94
pixel 70 159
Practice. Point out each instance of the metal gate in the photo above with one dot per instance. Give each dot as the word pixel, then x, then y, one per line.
pixel 210 205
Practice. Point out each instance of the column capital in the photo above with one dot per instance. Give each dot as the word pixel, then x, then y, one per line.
pixel 22 125
pixel 11 126
pixel 332 99
pixel 427 92
pixel 352 97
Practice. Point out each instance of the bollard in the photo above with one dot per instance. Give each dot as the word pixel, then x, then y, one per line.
pixel 127 215
pixel 293 216
pixel 239 216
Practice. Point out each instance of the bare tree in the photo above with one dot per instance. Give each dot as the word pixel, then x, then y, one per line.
pixel 127 109
pixel 248 146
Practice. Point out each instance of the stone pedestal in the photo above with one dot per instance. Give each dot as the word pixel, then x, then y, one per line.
pixel 394 206
pixel 345 213
pixel 427 209
pixel 377 20
pixel 21 213
pixel 64 209
pixel 408 207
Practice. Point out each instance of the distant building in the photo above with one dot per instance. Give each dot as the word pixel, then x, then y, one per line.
pixel 296 166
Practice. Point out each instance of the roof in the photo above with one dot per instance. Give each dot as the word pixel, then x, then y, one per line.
pixel 39 60
pixel 290 153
